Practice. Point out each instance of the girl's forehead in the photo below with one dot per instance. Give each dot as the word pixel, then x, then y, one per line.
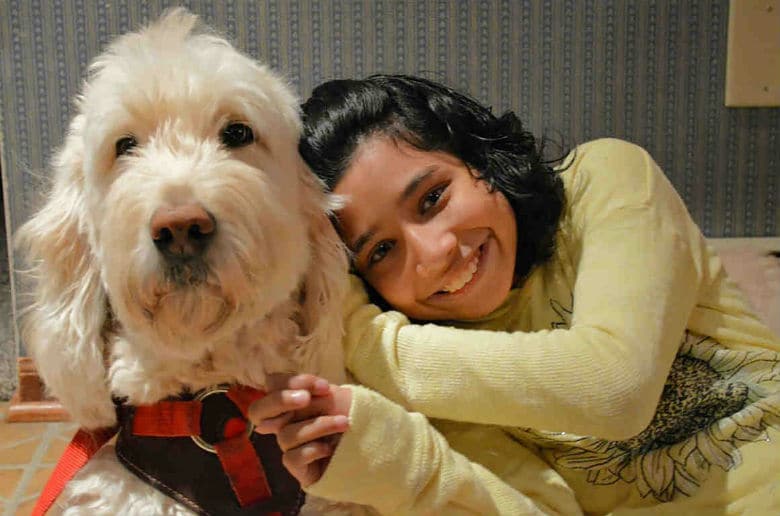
pixel 375 164
pixel 382 158
pixel 377 146
pixel 366 187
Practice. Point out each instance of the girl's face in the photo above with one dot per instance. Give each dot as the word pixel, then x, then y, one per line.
pixel 432 240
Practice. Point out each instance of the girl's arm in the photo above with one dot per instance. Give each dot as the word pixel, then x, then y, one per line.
pixel 397 463
pixel 638 275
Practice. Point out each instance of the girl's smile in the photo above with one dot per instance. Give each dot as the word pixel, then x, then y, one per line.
pixel 465 276
pixel 429 236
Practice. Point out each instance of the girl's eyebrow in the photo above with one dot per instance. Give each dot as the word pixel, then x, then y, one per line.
pixel 362 240
pixel 415 182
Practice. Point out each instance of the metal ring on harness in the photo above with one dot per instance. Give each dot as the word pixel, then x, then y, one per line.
pixel 198 440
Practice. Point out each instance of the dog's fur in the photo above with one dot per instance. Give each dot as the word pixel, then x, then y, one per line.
pixel 110 316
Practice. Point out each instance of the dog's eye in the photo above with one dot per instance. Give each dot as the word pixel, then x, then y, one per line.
pixel 236 134
pixel 125 145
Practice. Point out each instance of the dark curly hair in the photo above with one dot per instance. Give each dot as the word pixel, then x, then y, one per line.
pixel 432 117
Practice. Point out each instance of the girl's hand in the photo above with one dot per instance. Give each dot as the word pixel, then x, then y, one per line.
pixel 309 439
pixel 308 418
pixel 285 395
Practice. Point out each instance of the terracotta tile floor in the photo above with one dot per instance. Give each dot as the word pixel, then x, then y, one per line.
pixel 28 452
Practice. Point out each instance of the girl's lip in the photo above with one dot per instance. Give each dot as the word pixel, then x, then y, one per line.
pixel 483 253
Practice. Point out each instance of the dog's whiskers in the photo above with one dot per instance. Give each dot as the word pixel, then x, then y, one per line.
pixel 190 273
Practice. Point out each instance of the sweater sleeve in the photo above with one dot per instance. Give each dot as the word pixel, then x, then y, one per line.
pixel 395 462
pixel 638 273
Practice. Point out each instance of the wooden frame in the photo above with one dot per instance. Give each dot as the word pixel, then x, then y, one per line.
pixel 30 403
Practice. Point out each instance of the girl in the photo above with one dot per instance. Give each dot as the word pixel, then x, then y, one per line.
pixel 580 316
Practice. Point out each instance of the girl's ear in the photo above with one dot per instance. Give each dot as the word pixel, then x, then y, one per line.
pixel 325 285
pixel 63 327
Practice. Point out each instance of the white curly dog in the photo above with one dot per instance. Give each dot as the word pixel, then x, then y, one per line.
pixel 184 244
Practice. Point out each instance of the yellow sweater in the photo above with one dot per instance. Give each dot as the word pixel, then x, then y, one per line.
pixel 631 335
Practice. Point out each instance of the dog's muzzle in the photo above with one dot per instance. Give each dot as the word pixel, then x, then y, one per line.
pixel 182 233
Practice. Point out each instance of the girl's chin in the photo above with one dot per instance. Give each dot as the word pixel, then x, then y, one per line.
pixel 468 307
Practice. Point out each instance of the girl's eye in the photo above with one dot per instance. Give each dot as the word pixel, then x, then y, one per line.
pixel 431 199
pixel 379 252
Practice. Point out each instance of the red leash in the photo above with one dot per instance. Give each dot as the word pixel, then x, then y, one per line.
pixel 81 448
pixel 175 419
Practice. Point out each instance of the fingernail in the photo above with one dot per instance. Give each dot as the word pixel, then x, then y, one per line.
pixel 320 384
pixel 341 420
pixel 299 396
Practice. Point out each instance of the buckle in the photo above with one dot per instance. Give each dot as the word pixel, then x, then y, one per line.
pixel 202 396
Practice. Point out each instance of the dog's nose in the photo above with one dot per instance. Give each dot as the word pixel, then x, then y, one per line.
pixel 182 231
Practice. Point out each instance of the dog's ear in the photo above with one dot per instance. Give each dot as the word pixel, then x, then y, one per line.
pixel 63 326
pixel 325 285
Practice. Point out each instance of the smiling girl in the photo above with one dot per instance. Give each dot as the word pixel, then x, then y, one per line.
pixel 587 339
pixel 456 252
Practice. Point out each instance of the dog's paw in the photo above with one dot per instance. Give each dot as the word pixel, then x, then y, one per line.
pixel 142 385
pixel 152 392
pixel 93 415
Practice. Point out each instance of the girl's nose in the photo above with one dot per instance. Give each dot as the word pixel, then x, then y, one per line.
pixel 432 252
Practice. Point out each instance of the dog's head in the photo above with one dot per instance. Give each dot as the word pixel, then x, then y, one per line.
pixel 179 198
pixel 193 183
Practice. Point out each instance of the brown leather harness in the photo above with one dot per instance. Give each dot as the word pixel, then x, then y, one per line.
pixel 200 450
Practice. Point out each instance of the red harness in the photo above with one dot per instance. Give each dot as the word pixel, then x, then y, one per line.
pixel 236 453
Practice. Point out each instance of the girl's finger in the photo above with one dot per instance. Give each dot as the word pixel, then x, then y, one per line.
pixel 274 424
pixel 276 403
pixel 303 462
pixel 337 401
pixel 295 435
pixel 316 385
pixel 318 405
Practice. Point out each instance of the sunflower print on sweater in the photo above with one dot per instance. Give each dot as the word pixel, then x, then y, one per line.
pixel 714 400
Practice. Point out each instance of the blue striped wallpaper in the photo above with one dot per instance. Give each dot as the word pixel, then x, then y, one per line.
pixel 650 71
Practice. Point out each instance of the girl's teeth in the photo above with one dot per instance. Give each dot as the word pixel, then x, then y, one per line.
pixel 465 277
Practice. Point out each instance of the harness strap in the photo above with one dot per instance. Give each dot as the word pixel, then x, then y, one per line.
pixel 244 470
pixel 168 419
pixel 243 396
pixel 81 448
pixel 236 453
